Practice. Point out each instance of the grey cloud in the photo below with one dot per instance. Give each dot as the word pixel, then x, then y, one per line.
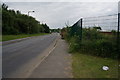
pixel 56 14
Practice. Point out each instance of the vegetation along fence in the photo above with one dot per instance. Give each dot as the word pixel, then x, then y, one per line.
pixel 98 35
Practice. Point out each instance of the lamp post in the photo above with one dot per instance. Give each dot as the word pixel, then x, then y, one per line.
pixel 29 12
pixel 28 23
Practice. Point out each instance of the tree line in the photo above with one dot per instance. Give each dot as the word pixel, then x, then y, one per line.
pixel 13 22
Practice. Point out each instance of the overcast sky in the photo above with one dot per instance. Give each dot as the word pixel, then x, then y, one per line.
pixel 56 14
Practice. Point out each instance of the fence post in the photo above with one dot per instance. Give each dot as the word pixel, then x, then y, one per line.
pixel 118 35
pixel 81 20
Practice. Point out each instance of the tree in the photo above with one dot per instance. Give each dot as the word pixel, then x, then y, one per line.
pixel 16 23
pixel 4 6
pixel 46 28
pixel 97 28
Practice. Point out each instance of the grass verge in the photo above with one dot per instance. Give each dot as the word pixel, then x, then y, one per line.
pixel 12 37
pixel 86 66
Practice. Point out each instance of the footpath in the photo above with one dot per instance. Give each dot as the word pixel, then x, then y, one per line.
pixel 56 65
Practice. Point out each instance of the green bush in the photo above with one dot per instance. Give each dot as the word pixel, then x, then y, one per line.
pixel 91 34
pixel 106 48
pixel 94 43
pixel 74 44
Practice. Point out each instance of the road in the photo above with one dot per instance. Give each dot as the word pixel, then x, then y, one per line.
pixel 57 65
pixel 17 58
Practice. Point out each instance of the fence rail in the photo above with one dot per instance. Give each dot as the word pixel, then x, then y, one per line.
pixel 108 23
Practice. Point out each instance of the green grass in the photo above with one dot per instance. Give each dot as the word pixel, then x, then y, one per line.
pixel 86 66
pixel 12 37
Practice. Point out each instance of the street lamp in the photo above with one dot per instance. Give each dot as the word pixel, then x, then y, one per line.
pixel 29 26
pixel 29 12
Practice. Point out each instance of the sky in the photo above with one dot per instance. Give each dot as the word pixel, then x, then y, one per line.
pixel 57 14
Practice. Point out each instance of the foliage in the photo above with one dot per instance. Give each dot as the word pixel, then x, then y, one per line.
pixel 46 28
pixel 91 34
pixel 97 28
pixel 74 45
pixel 63 33
pixel 13 22
pixel 93 43
pixel 55 30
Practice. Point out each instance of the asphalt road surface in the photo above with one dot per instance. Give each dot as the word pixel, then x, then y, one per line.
pixel 56 65
pixel 16 55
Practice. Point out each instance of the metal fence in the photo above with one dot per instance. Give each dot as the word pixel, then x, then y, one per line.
pixel 107 23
